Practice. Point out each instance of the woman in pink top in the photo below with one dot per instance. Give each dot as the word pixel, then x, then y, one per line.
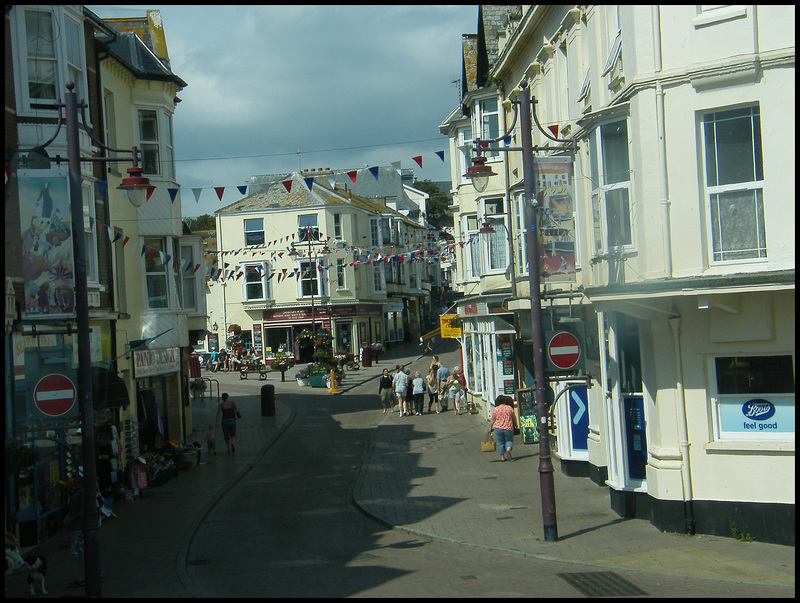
pixel 503 425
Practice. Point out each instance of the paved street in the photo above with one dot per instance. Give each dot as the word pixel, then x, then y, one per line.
pixel 330 497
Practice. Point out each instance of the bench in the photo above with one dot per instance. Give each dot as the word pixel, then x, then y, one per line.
pixel 261 369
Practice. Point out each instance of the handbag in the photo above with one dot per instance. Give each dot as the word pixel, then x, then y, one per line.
pixel 488 445
pixel 238 412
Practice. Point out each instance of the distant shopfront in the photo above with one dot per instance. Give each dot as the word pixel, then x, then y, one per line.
pixel 353 326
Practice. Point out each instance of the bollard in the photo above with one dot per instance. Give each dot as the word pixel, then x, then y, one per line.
pixel 268 400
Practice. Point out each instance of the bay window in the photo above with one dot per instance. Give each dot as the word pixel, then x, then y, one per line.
pixel 154 138
pixel 611 185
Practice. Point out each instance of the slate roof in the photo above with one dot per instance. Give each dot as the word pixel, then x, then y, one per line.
pixel 275 196
pixel 130 50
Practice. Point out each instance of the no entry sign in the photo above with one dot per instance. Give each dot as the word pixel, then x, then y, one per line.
pixel 564 350
pixel 54 395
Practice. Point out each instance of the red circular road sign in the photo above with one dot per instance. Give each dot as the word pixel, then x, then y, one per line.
pixel 54 395
pixel 564 350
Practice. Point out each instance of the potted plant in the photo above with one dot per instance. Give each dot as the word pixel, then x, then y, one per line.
pixel 302 378
pixel 281 363
pixel 377 350
pixel 198 386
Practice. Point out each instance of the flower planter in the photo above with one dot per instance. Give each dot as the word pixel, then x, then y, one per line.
pixel 317 380
pixel 302 382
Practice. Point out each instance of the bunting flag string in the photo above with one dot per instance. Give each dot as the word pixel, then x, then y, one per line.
pixel 102 185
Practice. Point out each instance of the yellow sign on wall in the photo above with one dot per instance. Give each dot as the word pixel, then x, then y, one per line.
pixel 450 325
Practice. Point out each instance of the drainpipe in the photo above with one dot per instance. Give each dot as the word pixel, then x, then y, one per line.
pixel 683 432
pixel 662 147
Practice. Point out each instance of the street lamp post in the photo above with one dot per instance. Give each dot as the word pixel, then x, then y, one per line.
pixel 315 276
pixel 136 186
pixel 479 173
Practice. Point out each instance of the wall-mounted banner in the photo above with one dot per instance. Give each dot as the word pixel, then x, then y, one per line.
pixel 766 417
pixel 47 258
pixel 555 194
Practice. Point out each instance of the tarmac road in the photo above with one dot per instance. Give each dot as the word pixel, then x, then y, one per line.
pixel 330 497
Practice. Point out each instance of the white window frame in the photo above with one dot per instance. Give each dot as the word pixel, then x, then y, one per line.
pixel 601 190
pixel 494 210
pixel 90 234
pixel 163 273
pixel 163 143
pixel 470 224
pixel 520 234
pixel 378 278
pixel 464 144
pixel 341 275
pixel 259 273
pixel 714 191
pixel 306 266
pixel 337 227
pixel 307 226
pixel 483 123
pixel 250 228
pixel 375 236
pixel 188 280
pixel 58 13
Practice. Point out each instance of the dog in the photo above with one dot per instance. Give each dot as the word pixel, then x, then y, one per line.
pixel 34 565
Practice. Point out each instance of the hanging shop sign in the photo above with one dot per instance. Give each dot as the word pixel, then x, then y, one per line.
pixel 149 363
pixel 450 325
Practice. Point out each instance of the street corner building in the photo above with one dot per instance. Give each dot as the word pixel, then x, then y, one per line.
pixel 665 248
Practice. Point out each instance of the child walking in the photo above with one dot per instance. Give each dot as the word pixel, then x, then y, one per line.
pixel 211 436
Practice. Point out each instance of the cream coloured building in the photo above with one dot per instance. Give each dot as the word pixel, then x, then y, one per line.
pixel 676 234
pixel 300 255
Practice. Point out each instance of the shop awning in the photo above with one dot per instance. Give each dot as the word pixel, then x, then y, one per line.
pixel 108 389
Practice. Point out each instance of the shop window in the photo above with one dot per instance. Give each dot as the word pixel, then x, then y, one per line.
pixel 755 397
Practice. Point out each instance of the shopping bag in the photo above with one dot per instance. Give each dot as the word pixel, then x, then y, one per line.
pixel 488 444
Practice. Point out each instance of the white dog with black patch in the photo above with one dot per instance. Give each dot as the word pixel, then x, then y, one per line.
pixel 34 565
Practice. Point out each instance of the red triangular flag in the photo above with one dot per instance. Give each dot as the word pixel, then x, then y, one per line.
pixel 418 159
pixel 150 190
pixel 220 190
pixel 287 184
pixel 352 175
pixel 554 130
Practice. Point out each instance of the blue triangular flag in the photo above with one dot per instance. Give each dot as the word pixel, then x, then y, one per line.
pixel 374 171
pixel 440 154
pixel 172 192
pixel 242 189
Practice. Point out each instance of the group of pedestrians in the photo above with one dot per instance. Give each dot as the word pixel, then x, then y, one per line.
pixel 443 387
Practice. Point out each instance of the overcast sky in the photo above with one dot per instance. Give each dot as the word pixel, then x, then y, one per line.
pixel 349 86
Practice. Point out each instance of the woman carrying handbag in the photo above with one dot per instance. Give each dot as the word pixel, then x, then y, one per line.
pixel 229 412
pixel 503 425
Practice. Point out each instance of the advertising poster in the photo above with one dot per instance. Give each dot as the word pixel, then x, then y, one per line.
pixel 555 195
pixel 47 257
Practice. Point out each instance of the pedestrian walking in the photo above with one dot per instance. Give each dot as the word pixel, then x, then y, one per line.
pixel 418 392
pixel 503 424
pixel 211 438
pixel 385 391
pixel 442 374
pixel 229 413
pixel 432 387
pixel 400 386
pixel 453 390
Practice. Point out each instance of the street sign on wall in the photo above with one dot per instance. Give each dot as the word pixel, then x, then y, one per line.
pixel 54 395
pixel 564 351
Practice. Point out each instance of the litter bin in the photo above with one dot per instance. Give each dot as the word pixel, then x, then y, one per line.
pixel 366 356
pixel 268 400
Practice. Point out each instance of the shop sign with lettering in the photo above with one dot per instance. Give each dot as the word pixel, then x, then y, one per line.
pixel 149 363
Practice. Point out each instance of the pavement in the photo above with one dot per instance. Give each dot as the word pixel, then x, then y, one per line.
pixel 424 475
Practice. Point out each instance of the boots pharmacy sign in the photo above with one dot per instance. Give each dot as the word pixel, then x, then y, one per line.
pixel 756 418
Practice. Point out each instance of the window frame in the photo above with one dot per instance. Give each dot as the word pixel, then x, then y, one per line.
pixel 471 271
pixel 152 274
pixel 26 104
pixel 263 280
pixel 164 142
pixel 248 233
pixel 188 280
pixel 601 191
pixel 712 191
pixel 90 234
pixel 309 230
pixel 488 130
